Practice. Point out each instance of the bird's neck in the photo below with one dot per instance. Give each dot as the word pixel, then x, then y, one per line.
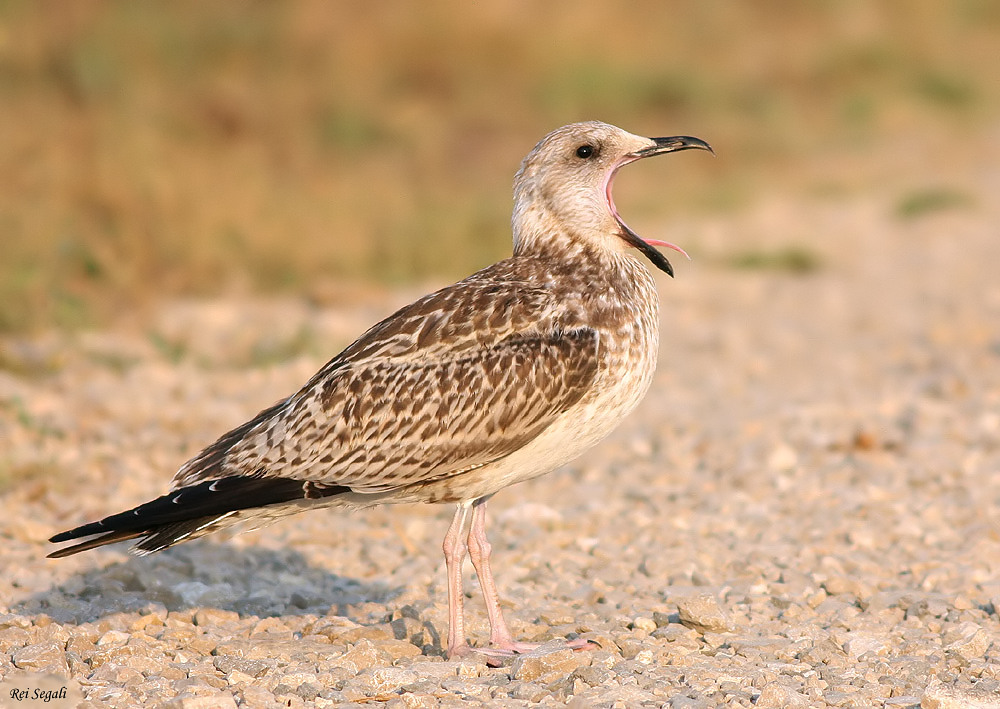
pixel 540 232
pixel 608 279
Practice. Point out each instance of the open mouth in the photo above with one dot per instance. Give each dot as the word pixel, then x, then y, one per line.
pixel 646 246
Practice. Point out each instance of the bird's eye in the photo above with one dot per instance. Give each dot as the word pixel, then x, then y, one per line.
pixel 585 151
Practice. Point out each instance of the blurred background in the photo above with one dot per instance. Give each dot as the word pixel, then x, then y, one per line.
pixel 154 150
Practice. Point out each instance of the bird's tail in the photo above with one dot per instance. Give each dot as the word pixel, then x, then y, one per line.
pixel 196 510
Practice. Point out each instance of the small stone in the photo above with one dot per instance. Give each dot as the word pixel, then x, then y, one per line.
pixel 368 633
pixel 81 646
pixel 836 585
pixel 884 600
pixel 663 619
pixel 13 637
pixel 974 643
pixel 172 671
pixel 556 616
pixel 433 670
pixel 592 675
pixel 236 677
pixel 113 637
pixel 254 696
pixel 547 667
pixel 418 701
pixel 844 697
pixel 256 669
pixel 644 657
pixel 219 700
pixel 155 618
pixel 308 691
pixel 715 640
pixel 362 656
pixel 135 656
pixel 939 695
pixel 647 625
pixel 399 648
pixel 470 667
pixel 703 613
pixel 630 647
pixel 204 680
pixel 217 616
pixel 814 600
pixel 388 679
pixel 963 603
pixel 333 676
pixel 859 644
pixel 117 674
pixel 412 630
pixel 294 680
pixel 776 696
pixel 675 633
pixel 274 627
pixel 42 657
pixel 13 620
pixel 333 627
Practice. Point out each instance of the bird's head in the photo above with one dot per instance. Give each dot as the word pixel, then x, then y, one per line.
pixel 563 189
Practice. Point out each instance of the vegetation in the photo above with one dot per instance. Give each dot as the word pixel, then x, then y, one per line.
pixel 930 200
pixel 155 149
pixel 793 259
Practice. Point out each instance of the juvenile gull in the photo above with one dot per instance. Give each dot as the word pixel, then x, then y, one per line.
pixel 496 379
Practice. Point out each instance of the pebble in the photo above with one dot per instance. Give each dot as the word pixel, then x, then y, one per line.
pixel 382 680
pixel 647 625
pixel 362 656
pixel 859 644
pixel 47 657
pixel 973 642
pixel 113 637
pixel 702 612
pixel 547 666
pixel 220 700
pixel 939 695
pixel 777 696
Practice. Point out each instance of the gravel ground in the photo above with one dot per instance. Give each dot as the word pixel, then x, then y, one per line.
pixel 803 512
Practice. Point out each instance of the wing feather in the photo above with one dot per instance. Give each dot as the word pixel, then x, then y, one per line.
pixel 458 379
pixel 386 424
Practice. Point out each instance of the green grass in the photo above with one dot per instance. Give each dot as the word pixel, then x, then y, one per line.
pixel 790 259
pixel 930 200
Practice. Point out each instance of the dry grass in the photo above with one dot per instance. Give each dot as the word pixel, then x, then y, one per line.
pixel 155 149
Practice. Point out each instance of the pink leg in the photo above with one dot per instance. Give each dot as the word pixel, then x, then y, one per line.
pixel 454 554
pixel 480 549
pixel 501 641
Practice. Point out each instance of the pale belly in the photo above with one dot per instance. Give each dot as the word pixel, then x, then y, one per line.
pixel 616 393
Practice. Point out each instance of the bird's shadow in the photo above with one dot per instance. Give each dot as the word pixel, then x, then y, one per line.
pixel 251 581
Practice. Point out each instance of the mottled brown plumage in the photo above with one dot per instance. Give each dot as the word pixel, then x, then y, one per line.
pixel 496 379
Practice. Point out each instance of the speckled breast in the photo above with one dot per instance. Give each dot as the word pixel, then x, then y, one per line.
pixel 624 309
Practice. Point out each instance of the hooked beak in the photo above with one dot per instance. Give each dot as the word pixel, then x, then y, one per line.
pixel 660 146
pixel 672 145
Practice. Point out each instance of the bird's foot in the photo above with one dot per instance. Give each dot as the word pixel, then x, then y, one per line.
pixel 496 653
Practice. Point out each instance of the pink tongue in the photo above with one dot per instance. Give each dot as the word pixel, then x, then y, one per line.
pixel 668 245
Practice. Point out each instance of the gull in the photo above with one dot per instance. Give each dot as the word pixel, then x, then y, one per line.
pixel 496 379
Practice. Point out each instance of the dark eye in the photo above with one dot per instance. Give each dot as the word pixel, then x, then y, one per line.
pixel 585 151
